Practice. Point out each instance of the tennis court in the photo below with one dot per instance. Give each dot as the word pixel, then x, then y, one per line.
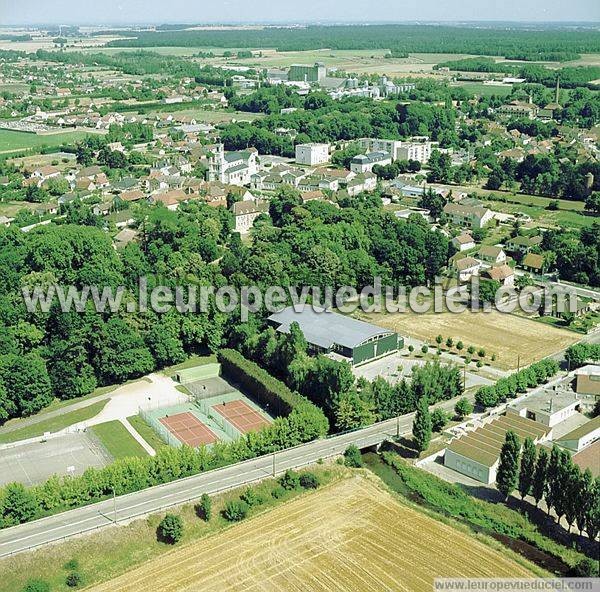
pixel 241 416
pixel 187 428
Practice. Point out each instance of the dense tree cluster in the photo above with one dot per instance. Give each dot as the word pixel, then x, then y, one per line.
pixel 517 383
pixel 576 254
pixel 554 478
pixel 570 77
pixel 515 43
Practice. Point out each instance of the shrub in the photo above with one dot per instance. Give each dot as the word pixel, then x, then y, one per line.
pixel 290 480
pixel 204 508
pixel 439 419
pixel 74 579
pixel 71 565
pixel 251 497
pixel 278 492
pixel 309 481
pixel 352 457
pixel 235 510
pixel 463 408
pixel 266 389
pixel 586 568
pixel 170 529
pixel 36 586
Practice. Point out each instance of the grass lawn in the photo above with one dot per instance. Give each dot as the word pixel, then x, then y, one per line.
pixel 53 424
pixel 146 432
pixel 117 440
pixel 110 552
pixel 191 362
pixel 12 141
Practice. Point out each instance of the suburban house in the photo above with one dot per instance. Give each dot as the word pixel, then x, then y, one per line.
pixel 523 244
pixel 338 335
pixel 500 273
pixel 468 216
pixel 463 242
pixel 246 212
pixel 492 254
pixel 534 263
pixel 467 267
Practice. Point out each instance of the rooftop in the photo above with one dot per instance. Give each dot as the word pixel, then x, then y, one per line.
pixel 583 430
pixel 546 401
pixel 325 328
pixel 483 444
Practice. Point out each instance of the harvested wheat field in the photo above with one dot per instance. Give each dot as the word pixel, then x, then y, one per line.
pixel 507 335
pixel 350 536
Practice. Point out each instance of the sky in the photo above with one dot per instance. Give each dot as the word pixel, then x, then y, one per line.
pixel 258 11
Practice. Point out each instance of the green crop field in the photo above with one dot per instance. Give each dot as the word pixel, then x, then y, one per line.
pixel 11 141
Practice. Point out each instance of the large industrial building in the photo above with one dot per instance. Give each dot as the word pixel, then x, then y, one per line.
pixel 307 73
pixel 477 453
pixel 328 332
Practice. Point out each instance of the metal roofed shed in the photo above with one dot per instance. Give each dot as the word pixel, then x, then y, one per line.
pixel 477 453
pixel 583 436
pixel 328 332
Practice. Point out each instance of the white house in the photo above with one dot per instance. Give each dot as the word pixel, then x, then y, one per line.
pixel 463 242
pixel 246 212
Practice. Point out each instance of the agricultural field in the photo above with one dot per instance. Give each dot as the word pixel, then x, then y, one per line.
pixel 11 141
pixel 344 537
pixel 507 336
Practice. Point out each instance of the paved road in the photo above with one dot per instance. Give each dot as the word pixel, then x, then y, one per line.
pixel 124 508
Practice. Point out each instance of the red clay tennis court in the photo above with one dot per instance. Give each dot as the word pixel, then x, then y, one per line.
pixel 187 428
pixel 241 416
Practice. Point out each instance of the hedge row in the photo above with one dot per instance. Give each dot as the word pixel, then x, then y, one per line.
pixel 267 390
pixel 19 504
pixel 517 383
pixel 451 500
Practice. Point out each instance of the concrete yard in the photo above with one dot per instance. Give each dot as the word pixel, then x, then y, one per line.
pixel 34 463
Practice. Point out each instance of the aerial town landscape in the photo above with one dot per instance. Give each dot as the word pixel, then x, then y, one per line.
pixel 299 301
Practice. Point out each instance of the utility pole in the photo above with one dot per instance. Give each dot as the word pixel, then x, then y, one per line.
pixel 464 377
pixel 398 427
pixel 273 464
pixel 115 504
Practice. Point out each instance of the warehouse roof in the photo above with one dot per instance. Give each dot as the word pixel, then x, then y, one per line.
pixel 324 327
pixel 583 430
pixel 483 445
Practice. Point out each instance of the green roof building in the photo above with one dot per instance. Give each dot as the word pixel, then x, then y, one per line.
pixel 329 332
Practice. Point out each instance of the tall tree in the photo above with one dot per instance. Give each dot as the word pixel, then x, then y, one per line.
pixel 422 426
pixel 552 490
pixel 508 469
pixel 538 487
pixel 584 501
pixel 527 470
